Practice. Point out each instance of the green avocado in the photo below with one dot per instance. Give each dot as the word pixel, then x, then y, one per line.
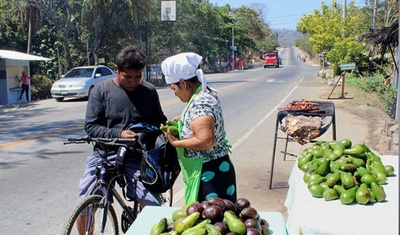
pixel 315 179
pixel 361 171
pixel 234 224
pixel 355 150
pixel 333 179
pixel 348 196
pixel 316 190
pixel 330 194
pixel 362 194
pixel 303 159
pixel 379 192
pixel 380 176
pixel 347 180
pixel 339 189
pixel 368 179
pixel 389 170
pixel 358 162
pixel 324 168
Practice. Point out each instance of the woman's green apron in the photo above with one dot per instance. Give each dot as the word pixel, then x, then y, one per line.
pixel 190 167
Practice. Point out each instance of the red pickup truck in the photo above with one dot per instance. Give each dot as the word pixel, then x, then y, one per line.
pixel 271 59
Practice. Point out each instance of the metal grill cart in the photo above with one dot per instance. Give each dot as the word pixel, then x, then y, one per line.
pixel 326 111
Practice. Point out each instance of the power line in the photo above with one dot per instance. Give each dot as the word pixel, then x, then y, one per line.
pixel 283 16
pixel 284 20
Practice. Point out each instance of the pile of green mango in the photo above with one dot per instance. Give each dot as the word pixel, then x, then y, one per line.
pixel 339 170
pixel 215 216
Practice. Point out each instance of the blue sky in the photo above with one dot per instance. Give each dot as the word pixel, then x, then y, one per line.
pixel 281 13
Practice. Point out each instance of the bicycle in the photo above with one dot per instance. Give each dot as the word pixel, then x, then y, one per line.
pixel 97 210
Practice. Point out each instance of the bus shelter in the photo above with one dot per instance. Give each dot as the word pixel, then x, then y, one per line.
pixel 12 63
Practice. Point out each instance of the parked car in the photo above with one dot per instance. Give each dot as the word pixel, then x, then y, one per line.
pixel 79 81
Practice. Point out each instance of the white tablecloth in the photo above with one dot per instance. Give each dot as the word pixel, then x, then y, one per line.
pixel 308 215
pixel 152 214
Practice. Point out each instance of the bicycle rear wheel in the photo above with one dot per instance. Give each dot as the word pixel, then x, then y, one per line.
pixel 91 208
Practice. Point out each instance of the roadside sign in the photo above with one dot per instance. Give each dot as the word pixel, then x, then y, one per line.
pixel 233 48
pixel 168 10
pixel 348 66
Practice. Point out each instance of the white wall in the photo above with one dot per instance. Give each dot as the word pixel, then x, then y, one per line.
pixel 10 88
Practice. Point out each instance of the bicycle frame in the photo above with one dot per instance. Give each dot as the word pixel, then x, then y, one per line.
pixel 107 175
pixel 106 184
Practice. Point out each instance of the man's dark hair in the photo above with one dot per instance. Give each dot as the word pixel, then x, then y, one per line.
pixel 130 58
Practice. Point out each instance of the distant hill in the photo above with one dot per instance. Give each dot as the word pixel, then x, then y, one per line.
pixel 287 36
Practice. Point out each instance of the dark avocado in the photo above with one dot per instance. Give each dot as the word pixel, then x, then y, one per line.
pixel 229 205
pixel 253 231
pixel 249 212
pixel 205 204
pixel 213 212
pixel 217 201
pixel 241 203
pixel 195 207
pixel 222 227
pixel 252 223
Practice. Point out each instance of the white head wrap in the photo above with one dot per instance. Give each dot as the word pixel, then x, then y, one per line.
pixel 183 66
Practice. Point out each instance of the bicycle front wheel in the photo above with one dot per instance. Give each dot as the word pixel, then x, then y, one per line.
pixel 87 217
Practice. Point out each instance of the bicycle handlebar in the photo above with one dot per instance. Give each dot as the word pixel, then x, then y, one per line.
pixel 105 141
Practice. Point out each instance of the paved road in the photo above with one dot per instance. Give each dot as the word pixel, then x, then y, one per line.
pixel 39 175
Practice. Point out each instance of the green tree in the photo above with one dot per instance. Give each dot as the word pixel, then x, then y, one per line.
pixel 78 32
pixel 13 18
pixel 105 22
pixel 329 32
pixel 60 14
pixel 252 31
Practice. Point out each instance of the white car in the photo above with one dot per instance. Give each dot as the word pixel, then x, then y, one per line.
pixel 79 81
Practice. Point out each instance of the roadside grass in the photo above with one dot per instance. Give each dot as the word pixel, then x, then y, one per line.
pixel 374 91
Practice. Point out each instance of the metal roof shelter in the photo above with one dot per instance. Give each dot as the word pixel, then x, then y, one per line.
pixel 15 55
pixel 12 63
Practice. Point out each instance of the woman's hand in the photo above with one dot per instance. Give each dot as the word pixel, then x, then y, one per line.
pixel 176 118
pixel 171 138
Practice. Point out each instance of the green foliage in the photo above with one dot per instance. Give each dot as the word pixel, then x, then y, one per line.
pixel 389 97
pixel 329 32
pixel 376 84
pixel 369 84
pixel 305 44
pixel 41 86
pixel 345 51
pixel 75 33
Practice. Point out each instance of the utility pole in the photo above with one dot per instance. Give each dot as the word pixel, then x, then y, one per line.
pixel 397 78
pixel 344 17
pixel 374 14
pixel 233 49
pixel 87 52
pixel 344 8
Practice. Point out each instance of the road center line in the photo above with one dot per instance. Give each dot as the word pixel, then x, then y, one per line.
pixel 13 143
